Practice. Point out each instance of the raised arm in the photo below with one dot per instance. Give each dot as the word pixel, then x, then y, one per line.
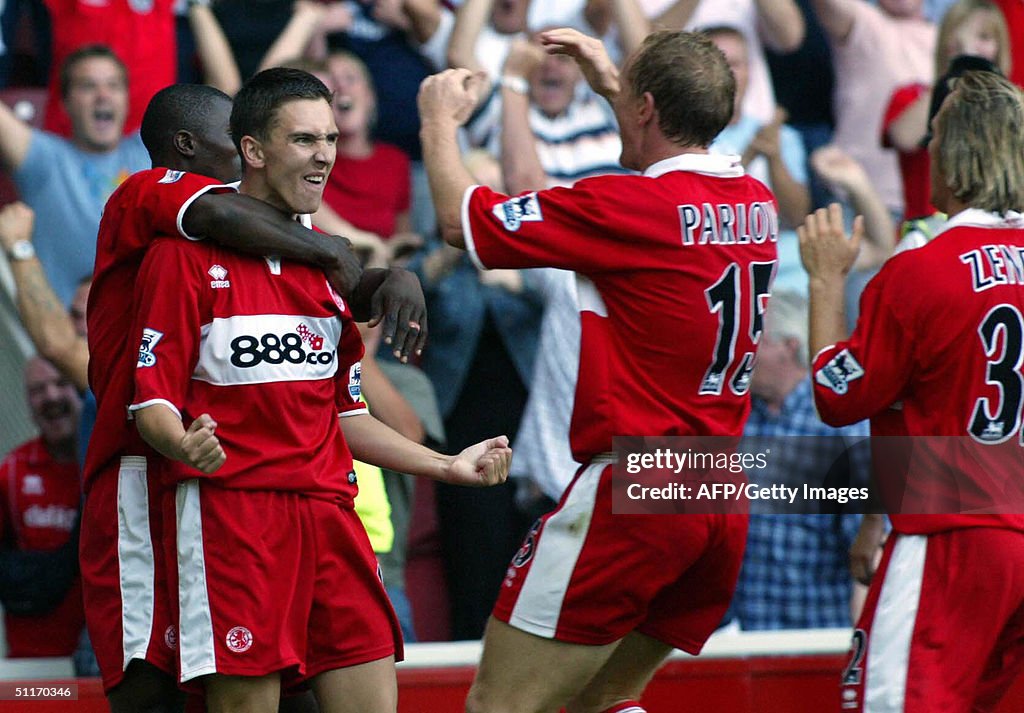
pixel 520 166
pixel 632 24
pixel 45 319
pixel 781 24
pixel 838 168
pixel 836 17
pixel 445 102
pixel 794 197
pixel 15 137
pixel 469 21
pixel 220 69
pixel 424 18
pixel 676 15
pixel 309 19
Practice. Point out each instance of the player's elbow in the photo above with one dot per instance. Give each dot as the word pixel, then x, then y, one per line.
pixel 451 232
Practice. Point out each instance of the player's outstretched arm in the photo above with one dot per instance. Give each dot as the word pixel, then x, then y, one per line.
pixel 370 441
pixel 249 225
pixel 600 72
pixel 197 447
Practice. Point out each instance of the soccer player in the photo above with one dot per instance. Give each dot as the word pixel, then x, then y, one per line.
pixel 674 268
pixel 244 367
pixel 940 332
pixel 185 130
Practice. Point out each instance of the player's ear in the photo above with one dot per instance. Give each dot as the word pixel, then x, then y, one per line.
pixel 184 143
pixel 252 152
pixel 646 109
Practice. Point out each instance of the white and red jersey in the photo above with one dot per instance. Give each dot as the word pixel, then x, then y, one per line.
pixel 941 337
pixel 674 271
pixel 148 205
pixel 266 348
pixel 39 503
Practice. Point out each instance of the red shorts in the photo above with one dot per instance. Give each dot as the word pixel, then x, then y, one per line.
pixel 273 581
pixel 123 574
pixel 586 576
pixel 943 624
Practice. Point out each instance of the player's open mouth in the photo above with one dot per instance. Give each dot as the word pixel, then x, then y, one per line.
pixel 316 179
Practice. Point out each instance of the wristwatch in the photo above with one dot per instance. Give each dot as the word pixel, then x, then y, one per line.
pixel 514 83
pixel 21 250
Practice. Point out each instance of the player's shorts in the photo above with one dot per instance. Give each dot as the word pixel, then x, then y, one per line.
pixel 943 625
pixel 123 573
pixel 586 576
pixel 273 581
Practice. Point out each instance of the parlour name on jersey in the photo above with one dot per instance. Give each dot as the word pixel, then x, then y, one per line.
pixel 728 223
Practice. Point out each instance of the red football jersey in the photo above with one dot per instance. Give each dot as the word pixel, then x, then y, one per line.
pixel 941 335
pixel 266 348
pixel 149 204
pixel 38 506
pixel 674 272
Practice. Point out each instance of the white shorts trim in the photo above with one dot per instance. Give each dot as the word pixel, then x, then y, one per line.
pixel 539 604
pixel 892 629
pixel 195 621
pixel 135 563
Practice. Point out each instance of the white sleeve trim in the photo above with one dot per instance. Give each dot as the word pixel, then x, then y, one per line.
pixel 191 200
pixel 153 402
pixel 467 230
pixel 354 412
pixel 822 351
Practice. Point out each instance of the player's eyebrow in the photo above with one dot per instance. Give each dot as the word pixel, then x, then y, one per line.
pixel 309 135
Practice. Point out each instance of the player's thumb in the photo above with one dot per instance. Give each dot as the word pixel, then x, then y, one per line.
pixel 205 421
pixel 498 442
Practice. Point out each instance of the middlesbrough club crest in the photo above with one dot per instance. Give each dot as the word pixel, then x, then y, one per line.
pixel 239 639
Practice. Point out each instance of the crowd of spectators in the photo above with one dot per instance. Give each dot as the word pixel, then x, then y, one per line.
pixel 833 102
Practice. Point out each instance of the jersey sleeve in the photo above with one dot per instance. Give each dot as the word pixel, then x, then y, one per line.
pixel 857 378
pixel 584 228
pixel 167 326
pixel 901 100
pixel 167 198
pixel 348 384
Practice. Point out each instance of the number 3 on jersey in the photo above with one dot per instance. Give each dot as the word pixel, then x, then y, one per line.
pixel 725 298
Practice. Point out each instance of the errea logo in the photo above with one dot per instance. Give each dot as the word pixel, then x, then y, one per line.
pixel 219 275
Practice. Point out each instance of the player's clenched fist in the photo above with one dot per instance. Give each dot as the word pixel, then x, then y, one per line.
pixel 450 95
pixel 485 463
pixel 200 447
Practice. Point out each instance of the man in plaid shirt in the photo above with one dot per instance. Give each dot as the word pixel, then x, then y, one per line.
pixel 795 573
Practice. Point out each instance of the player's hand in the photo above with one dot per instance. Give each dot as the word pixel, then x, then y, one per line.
pixel 451 95
pixel 345 276
pixel 16 221
pixel 482 464
pixel 766 141
pixel 400 304
pixel 824 248
pixel 523 59
pixel 600 72
pixel 200 448
pixel 866 550
pixel 837 167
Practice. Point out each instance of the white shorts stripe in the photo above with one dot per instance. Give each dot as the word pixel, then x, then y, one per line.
pixel 195 622
pixel 892 629
pixel 136 568
pixel 539 604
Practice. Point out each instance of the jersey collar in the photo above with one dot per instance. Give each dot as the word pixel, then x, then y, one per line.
pixel 983 219
pixel 719 165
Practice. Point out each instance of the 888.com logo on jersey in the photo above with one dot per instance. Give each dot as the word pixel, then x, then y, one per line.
pixel 251 349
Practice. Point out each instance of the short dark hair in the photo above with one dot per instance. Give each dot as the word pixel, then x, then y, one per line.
pixel 83 53
pixel 257 102
pixel 175 108
pixel 693 88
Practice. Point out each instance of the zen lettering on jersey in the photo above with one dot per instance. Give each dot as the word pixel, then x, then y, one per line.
pixel 994 265
pixel 728 223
